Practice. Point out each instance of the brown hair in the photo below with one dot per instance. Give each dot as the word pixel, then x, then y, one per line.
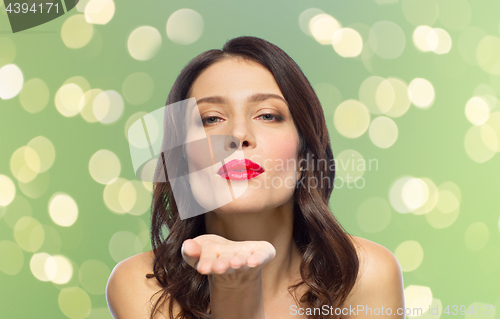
pixel 329 265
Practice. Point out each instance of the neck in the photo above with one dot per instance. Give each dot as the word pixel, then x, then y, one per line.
pixel 274 226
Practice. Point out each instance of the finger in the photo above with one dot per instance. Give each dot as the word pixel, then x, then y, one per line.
pixel 262 255
pixel 207 258
pixel 191 251
pixel 240 259
pixel 257 258
pixel 221 264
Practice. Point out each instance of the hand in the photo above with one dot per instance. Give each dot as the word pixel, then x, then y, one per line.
pixel 230 263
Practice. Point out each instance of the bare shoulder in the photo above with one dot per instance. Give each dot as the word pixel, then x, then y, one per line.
pixel 379 283
pixel 374 255
pixel 129 293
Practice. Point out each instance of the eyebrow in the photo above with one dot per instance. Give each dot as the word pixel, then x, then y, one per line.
pixel 257 97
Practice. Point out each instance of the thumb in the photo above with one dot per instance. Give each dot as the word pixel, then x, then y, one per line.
pixel 191 252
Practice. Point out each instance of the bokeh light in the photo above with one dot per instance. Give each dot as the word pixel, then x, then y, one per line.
pixel 420 36
pixel 104 166
pixel 446 211
pixel 34 96
pixel 185 26
pixel 18 208
pixel 396 195
pixel 387 39
pixel 439 41
pixel 384 96
pixel 322 27
pixel 418 297
pixel 37 266
pixel 447 202
pixel 76 32
pixel 419 12
pixel 373 215
pixel 368 93
pixel 401 103
pixel 74 303
pixel 410 255
pixel 124 244
pixel 11 81
pixel 12 259
pixel 421 93
pixel 144 43
pixel 25 164
pixel 477 110
pixel 414 193
pixel 137 88
pixel 99 11
pixel 490 132
pixel 45 151
pixel 305 17
pixel 52 242
pixel 351 118
pixel 58 269
pixel 134 117
pixel 350 165
pixel 7 190
pixel 383 132
pixel 432 198
pixel 488 54
pixel 69 99
pixel 434 311
pixel 87 102
pixel 36 187
pixel 63 209
pixel 475 147
pixel 108 106
pixel 134 198
pixel 347 42
pixel 111 195
pixel 477 236
pixel 29 234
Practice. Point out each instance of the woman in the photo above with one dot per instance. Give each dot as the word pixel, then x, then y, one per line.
pixel 274 251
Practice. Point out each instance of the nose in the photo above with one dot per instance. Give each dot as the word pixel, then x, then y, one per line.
pixel 239 133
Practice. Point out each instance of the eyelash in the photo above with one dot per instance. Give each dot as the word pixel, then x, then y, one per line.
pixel 276 118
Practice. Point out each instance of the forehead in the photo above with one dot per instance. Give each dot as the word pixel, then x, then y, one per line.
pixel 235 78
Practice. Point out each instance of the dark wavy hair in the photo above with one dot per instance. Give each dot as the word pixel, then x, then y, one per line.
pixel 329 265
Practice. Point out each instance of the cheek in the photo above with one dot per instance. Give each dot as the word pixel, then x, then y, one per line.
pixel 287 151
pixel 196 158
pixel 283 153
pixel 196 151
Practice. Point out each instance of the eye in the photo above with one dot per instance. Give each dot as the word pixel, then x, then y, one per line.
pixel 207 120
pixel 268 117
pixel 271 117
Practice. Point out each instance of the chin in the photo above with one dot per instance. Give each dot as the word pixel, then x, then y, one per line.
pixel 243 204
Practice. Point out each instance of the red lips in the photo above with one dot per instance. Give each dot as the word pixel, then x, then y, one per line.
pixel 240 169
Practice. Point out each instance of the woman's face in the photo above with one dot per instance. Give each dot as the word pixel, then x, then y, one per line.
pixel 272 141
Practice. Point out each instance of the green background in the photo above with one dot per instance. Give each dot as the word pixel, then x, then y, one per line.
pixel 430 141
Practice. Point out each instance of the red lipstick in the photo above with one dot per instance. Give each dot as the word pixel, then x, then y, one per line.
pixel 240 170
